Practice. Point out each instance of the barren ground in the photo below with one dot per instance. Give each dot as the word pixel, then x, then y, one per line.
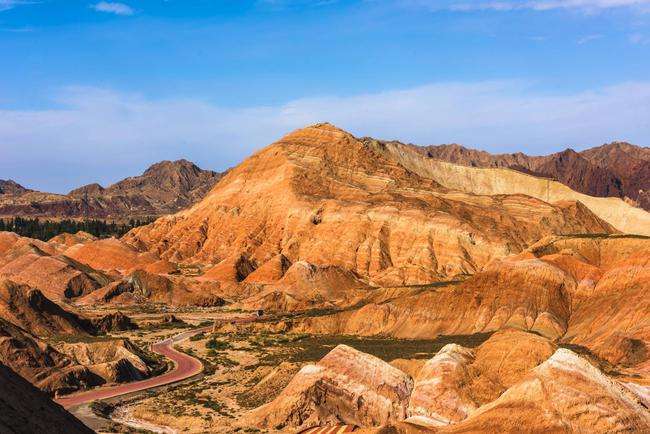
pixel 244 370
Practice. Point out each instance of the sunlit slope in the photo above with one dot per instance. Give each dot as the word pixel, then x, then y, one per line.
pixel 496 181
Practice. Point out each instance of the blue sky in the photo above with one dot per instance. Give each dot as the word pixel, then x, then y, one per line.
pixel 96 91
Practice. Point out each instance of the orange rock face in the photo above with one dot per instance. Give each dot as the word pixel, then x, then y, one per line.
pixel 321 196
pixel 438 397
pixel 109 254
pixel 534 387
pixel 457 381
pixel 29 309
pixel 306 286
pixel 345 386
pixel 587 291
pixel 564 394
pixel 141 286
pixel 42 265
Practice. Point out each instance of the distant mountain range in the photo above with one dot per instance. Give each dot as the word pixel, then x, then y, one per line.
pixel 164 188
pixel 613 170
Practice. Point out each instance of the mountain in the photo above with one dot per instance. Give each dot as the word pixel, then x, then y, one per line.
pixel 631 164
pixel 29 309
pixel 500 181
pixel 586 290
pixel 513 382
pixel 11 187
pixel 165 187
pixel 24 409
pixel 617 169
pixel 322 196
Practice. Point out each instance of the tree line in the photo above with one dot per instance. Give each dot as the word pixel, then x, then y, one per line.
pixel 46 229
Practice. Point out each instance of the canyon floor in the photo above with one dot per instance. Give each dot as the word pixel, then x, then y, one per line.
pixel 243 369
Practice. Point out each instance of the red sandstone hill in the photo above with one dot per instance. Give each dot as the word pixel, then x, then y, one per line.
pixel 165 187
pixel 616 169
pixel 322 196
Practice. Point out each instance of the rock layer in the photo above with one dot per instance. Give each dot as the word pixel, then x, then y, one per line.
pixel 505 181
pixel 346 386
pixel 586 291
pixel 616 169
pixel 321 196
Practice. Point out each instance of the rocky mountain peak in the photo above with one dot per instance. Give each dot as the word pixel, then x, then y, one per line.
pixel 8 186
pixel 87 190
pixel 166 166
pixel 163 188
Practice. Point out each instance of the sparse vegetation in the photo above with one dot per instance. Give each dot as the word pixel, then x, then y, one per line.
pixel 217 345
pixel 46 229
pixel 197 337
pixel 309 348
pixel 102 409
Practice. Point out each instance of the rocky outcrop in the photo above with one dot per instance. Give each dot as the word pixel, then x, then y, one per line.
pixel 29 309
pixel 40 363
pixel 536 387
pixel 457 380
pixel 505 181
pixel 306 286
pixel 589 291
pixel 630 164
pixel 113 322
pixel 115 360
pixel 612 170
pixel 564 394
pixel 43 265
pixel 25 410
pixel 438 396
pixel 524 293
pixel 321 196
pixel 110 254
pixel 165 187
pixel 58 276
pixel 346 386
pixel 8 186
pixel 143 287
pixel 65 240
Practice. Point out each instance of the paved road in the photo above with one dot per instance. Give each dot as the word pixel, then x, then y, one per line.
pixel 185 367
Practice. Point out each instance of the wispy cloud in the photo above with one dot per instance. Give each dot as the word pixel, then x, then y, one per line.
pixel 639 39
pixel 105 129
pixel 536 5
pixel 588 38
pixel 113 8
pixel 288 3
pixel 5 5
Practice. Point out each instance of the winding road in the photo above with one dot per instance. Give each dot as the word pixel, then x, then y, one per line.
pixel 185 366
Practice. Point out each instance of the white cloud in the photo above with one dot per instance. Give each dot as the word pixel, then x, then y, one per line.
pixel 101 130
pixel 113 8
pixel 537 5
pixel 639 39
pixel 588 38
pixel 5 5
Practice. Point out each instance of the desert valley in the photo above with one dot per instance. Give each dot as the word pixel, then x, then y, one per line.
pixel 331 283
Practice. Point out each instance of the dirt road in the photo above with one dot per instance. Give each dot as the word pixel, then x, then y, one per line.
pixel 185 366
